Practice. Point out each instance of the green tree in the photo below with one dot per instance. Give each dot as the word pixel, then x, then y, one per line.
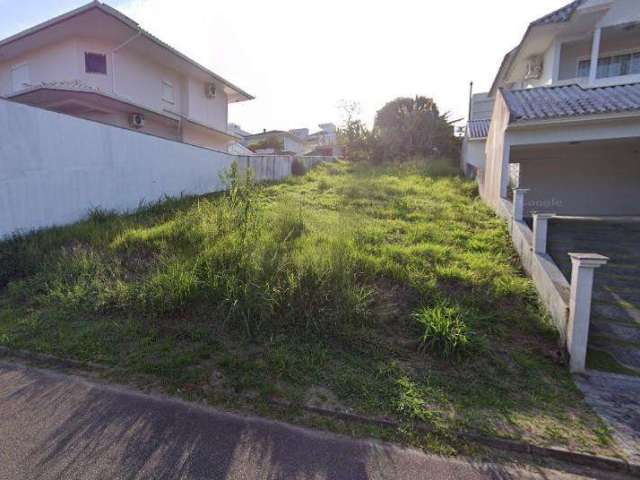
pixel 409 127
pixel 355 139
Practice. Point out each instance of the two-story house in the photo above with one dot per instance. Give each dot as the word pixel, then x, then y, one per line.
pixel 561 124
pixel 567 112
pixel 98 64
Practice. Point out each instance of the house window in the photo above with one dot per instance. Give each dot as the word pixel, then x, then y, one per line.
pixel 612 66
pixel 20 78
pixel 167 92
pixel 583 68
pixel 95 63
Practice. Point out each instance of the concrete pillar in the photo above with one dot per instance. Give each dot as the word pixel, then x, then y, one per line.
pixel 518 203
pixel 583 267
pixel 595 55
pixel 540 229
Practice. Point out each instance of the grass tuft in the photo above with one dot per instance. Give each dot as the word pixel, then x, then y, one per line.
pixel 443 330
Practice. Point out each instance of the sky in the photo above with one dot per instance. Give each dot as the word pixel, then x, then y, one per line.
pixel 301 59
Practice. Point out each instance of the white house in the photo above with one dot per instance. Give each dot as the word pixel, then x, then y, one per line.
pixel 287 142
pixel 98 64
pixel 563 139
pixel 569 88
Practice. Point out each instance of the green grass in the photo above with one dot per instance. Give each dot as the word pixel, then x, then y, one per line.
pixel 392 290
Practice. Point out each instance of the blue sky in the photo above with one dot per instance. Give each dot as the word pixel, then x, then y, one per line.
pixel 300 58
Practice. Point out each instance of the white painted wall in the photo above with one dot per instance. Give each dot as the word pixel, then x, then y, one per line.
pixel 481 106
pixel 622 11
pixel 58 62
pixel 587 179
pixel 475 153
pixel 130 76
pixel 54 168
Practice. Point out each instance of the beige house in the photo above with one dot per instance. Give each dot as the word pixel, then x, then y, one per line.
pixel 565 97
pixel 555 146
pixel 98 64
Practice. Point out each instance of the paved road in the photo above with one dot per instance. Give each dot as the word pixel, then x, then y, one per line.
pixel 54 426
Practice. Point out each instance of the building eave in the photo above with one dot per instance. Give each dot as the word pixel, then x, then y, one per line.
pixel 123 101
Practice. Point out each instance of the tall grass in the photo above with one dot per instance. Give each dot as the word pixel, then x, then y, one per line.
pixel 259 271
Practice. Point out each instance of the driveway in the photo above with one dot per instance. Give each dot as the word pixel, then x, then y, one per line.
pixel 54 426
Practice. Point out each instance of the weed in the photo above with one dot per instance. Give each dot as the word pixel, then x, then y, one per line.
pixel 443 330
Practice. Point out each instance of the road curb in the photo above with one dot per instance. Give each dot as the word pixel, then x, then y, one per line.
pixel 51 359
pixel 496 443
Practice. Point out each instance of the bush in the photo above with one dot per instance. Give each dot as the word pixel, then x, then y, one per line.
pixel 440 167
pixel 443 330
pixel 297 168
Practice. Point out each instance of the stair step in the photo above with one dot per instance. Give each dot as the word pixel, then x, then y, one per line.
pixel 617 312
pixel 627 356
pixel 607 294
pixel 616 331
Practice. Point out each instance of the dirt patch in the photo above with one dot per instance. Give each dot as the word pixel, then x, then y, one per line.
pixel 322 397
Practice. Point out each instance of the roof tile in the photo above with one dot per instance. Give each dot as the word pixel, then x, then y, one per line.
pixel 545 103
pixel 478 128
pixel 561 15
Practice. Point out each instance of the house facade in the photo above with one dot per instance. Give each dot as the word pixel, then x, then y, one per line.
pixel 565 114
pixel 555 147
pixel 98 64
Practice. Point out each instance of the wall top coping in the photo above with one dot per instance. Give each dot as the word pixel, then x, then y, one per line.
pixel 543 215
pixel 592 260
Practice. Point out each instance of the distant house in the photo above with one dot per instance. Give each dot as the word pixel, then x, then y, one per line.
pixel 324 141
pixel 274 141
pixel 98 64
pixel 475 141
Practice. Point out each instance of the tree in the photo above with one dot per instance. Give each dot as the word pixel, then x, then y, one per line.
pixel 354 137
pixel 407 127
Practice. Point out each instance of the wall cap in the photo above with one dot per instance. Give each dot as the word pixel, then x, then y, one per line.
pixel 592 260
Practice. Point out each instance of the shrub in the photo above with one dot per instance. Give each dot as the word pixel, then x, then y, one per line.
pixel 297 168
pixel 441 167
pixel 443 330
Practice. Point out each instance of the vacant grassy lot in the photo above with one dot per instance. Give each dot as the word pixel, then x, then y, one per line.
pixel 382 291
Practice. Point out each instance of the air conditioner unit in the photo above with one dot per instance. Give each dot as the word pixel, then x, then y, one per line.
pixel 535 66
pixel 210 90
pixel 136 120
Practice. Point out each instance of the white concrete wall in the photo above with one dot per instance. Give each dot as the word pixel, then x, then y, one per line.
pixel 54 168
pixel 475 154
pixel 267 167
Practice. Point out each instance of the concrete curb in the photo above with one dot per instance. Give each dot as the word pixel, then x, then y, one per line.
pixel 51 359
pixel 496 443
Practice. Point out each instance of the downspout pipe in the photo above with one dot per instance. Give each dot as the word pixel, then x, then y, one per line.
pixel 470 102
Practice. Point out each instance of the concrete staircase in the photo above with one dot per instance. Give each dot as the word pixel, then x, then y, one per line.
pixel 614 337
